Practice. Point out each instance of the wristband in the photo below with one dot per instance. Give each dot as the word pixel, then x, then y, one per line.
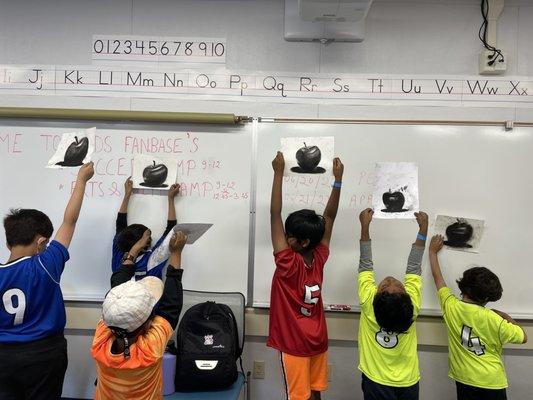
pixel 128 257
pixel 421 237
pixel 337 185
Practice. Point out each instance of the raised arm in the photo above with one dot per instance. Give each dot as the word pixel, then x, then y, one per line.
pixel 122 217
pixel 126 271
pixel 277 232
pixel 72 211
pixel 333 203
pixel 172 300
pixel 172 193
pixel 365 245
pixel 435 246
pixel 414 262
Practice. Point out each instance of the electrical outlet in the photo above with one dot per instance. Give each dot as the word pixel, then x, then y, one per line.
pixel 259 370
pixel 491 63
pixel 330 372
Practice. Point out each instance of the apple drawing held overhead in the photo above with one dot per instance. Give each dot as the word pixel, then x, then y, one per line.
pixel 459 233
pixel 155 175
pixel 393 201
pixel 308 158
pixel 75 153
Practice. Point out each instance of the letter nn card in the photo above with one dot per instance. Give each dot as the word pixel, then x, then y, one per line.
pixel 74 149
pixel 152 171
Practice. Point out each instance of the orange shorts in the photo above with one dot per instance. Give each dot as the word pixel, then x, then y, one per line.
pixel 304 374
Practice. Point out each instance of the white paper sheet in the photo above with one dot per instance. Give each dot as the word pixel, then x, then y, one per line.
pixel 193 232
pixel 154 172
pixel 460 233
pixel 308 155
pixel 74 149
pixel 395 193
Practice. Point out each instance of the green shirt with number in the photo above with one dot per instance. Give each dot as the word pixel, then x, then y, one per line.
pixel 475 337
pixel 388 358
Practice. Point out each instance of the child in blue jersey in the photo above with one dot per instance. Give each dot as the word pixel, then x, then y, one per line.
pixel 127 235
pixel 33 350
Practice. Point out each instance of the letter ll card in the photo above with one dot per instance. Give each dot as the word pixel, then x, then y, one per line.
pixel 395 193
pixel 460 234
pixel 308 155
pixel 151 171
pixel 193 232
pixel 74 149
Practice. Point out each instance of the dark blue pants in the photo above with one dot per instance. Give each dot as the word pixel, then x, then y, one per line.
pixel 375 391
pixel 466 392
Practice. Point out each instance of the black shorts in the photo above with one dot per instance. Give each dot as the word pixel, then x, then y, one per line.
pixel 34 370
pixel 376 391
pixel 467 392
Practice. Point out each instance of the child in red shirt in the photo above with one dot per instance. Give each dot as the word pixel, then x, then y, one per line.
pixel 297 322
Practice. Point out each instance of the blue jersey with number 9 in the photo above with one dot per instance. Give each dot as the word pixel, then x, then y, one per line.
pixel 31 302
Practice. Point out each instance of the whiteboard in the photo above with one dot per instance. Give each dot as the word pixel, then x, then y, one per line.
pixel 214 171
pixel 477 172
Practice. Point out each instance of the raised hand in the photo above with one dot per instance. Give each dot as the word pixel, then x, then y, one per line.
pixel 365 217
pixel 422 220
pixel 86 172
pixel 338 169
pixel 173 191
pixel 177 242
pixel 278 163
pixel 436 244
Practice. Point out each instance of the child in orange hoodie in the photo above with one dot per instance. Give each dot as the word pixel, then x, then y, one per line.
pixel 131 337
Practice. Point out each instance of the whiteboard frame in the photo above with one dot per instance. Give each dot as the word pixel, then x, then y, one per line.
pixel 55 116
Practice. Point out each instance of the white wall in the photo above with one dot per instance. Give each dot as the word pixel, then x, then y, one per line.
pixel 346 379
pixel 411 37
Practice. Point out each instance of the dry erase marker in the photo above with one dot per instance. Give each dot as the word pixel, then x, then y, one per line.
pixel 339 307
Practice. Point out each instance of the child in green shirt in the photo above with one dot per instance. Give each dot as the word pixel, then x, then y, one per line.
pixel 475 334
pixel 387 334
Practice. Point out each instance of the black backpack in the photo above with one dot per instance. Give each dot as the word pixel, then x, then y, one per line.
pixel 207 348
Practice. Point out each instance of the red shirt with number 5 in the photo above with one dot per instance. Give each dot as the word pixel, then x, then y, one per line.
pixel 297 321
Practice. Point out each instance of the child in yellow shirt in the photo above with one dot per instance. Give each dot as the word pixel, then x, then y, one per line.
pixel 476 334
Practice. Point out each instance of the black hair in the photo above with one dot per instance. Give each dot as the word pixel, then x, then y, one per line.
pixel 22 225
pixel 125 338
pixel 129 236
pixel 393 311
pixel 306 224
pixel 481 285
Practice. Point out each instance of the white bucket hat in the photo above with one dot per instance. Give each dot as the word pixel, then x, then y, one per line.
pixel 129 305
